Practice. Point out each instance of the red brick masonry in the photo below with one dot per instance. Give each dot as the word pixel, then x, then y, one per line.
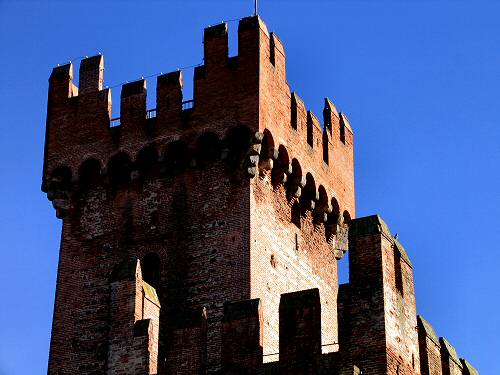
pixel 203 236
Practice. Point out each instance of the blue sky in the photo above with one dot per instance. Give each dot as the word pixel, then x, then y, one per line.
pixel 419 81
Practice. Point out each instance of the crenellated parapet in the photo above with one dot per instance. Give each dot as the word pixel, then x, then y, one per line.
pixel 377 309
pixel 229 92
pixel 437 355
pixel 468 369
pixel 299 336
pixel 379 330
pixel 323 145
pixel 79 123
pixel 450 360
pixel 186 350
pixel 429 348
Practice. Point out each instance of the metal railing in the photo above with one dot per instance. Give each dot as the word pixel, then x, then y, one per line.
pixel 322 346
pixel 187 104
pixel 151 113
pixel 115 122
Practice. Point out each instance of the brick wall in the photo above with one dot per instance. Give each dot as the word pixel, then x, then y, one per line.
pixel 286 258
pixel 449 358
pixel 180 185
pixel 289 256
pixel 237 206
pixel 378 305
pixel 134 323
pixel 429 347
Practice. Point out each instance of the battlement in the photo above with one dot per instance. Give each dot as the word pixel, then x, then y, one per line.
pixel 300 335
pixel 374 224
pixel 228 93
pixel 438 356
pixel 301 342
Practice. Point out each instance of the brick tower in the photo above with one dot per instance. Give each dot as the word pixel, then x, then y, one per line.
pixel 202 236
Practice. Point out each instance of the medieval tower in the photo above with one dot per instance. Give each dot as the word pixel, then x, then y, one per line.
pixel 203 236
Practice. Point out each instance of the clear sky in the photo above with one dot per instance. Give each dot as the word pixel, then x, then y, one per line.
pixel 419 81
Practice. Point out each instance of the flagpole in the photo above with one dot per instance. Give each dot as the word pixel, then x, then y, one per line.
pixel 256 7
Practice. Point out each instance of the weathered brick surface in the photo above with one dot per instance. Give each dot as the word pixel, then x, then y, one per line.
pixel 237 205
pixel 300 332
pixel 379 314
pixel 186 342
pixel 468 369
pixel 134 323
pixel 286 258
pixel 449 358
pixel 242 337
pixel 430 349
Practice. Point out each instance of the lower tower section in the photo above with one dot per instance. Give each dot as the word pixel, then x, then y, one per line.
pixel 193 246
